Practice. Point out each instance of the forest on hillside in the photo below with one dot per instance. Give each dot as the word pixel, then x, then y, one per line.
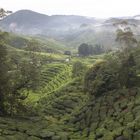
pixel 86 90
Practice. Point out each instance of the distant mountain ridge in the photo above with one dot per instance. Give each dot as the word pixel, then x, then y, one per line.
pixel 72 30
pixel 27 20
pixel 30 22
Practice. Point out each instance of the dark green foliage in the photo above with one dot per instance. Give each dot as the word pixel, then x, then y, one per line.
pixel 17 42
pixel 4 85
pixel 16 74
pixel 67 52
pixel 127 72
pixel 101 78
pixel 63 101
pixel 22 76
pixel 112 74
pixel 125 36
pixel 106 119
pixel 78 69
pixel 33 46
pixel 30 73
pixel 85 49
pixel 4 36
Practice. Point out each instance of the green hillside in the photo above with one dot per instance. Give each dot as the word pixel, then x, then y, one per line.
pixel 71 113
pixel 46 95
pixel 47 45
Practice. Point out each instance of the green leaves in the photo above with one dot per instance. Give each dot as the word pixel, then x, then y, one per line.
pixel 4 77
pixel 100 78
pixel 78 69
pixel 117 72
pixel 86 49
pixel 125 35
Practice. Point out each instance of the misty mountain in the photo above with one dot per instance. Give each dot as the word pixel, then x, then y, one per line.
pixel 30 22
pixel 130 20
pixel 71 30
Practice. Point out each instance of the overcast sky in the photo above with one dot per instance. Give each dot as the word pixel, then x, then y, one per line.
pixel 91 8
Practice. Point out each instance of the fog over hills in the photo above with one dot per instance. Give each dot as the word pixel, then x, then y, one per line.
pixel 69 77
pixel 70 29
pixel 25 20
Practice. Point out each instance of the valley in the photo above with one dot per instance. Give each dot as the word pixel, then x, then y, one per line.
pixel 69 77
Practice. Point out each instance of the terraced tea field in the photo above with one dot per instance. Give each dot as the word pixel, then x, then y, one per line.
pixel 65 101
pixel 53 77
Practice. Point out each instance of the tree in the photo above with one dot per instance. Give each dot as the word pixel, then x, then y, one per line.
pixel 17 74
pixel 78 69
pixel 101 78
pixel 85 49
pixel 67 53
pixel 4 36
pixel 125 36
pixel 4 13
pixel 104 76
pixel 25 77
pixel 127 72
pixel 33 46
pixel 4 87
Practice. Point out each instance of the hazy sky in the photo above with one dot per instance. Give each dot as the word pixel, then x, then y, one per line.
pixel 94 8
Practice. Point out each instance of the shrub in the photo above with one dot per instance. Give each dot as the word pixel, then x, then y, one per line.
pixel 78 69
pixel 101 78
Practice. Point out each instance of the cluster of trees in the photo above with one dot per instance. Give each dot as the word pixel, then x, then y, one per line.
pixel 112 74
pixel 17 73
pixel 119 70
pixel 86 49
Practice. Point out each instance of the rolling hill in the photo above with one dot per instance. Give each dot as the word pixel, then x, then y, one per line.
pixel 69 30
pixel 30 22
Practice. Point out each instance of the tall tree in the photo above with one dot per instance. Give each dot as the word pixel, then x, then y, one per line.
pixel 127 72
pixel 83 49
pixel 3 76
pixel 124 35
pixel 4 13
